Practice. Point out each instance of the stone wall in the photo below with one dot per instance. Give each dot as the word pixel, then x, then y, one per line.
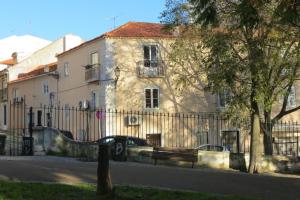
pixel 52 141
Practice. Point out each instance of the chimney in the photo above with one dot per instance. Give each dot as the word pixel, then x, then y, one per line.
pixel 15 57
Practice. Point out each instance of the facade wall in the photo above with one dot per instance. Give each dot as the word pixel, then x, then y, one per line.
pixel 73 88
pixel 130 91
pixel 32 92
pixel 44 56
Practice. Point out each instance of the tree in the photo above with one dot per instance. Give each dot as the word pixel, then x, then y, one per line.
pixel 253 51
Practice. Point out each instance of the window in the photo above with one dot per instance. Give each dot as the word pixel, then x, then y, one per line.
pixel 45 88
pixel 39 118
pixel 66 69
pixel 94 58
pixel 150 56
pixel 292 98
pixel 152 98
pixel 15 93
pixel 95 99
pixel 5 115
pixel 107 141
pixel 223 99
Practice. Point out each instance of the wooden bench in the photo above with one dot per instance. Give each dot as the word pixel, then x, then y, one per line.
pixel 175 154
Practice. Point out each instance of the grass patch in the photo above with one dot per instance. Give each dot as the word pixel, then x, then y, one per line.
pixel 39 191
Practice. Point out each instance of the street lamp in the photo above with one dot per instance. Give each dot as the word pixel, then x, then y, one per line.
pixel 117 75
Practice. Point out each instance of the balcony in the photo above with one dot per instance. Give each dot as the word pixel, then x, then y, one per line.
pixel 92 73
pixel 150 69
pixel 3 94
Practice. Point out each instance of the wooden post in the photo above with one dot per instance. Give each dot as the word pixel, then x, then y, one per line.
pixel 104 185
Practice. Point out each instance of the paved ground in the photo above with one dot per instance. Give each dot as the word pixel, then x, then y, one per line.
pixel 53 169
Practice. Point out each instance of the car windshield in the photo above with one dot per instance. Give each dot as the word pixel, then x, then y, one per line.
pixel 109 140
pixel 136 141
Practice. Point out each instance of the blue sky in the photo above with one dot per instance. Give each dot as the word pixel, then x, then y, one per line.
pixel 51 19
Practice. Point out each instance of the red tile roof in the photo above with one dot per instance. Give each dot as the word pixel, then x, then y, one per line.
pixel 140 29
pixel 40 70
pixel 131 30
pixel 8 62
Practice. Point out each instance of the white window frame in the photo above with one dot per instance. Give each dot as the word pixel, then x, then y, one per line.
pixel 226 99
pixel 14 93
pixel 292 102
pixel 91 58
pixel 150 55
pixel 66 69
pixel 45 87
pixel 158 99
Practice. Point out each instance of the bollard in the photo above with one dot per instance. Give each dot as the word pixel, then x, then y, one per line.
pixel 104 185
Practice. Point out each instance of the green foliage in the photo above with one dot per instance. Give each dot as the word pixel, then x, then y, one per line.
pixel 252 50
pixel 176 13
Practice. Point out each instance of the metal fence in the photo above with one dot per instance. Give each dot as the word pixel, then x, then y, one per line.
pixel 286 138
pixel 163 129
pixel 181 130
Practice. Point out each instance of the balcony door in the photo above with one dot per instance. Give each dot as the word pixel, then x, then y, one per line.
pixel 150 56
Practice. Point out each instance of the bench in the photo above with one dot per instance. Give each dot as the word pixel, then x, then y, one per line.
pixel 175 154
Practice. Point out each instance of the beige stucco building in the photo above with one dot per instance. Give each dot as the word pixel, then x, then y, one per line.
pixel 123 70
pixel 139 51
pixel 34 79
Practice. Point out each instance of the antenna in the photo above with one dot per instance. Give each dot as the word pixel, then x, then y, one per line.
pixel 114 19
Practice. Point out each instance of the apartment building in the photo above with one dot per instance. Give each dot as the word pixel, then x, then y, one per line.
pixel 14 49
pixel 34 78
pixel 126 68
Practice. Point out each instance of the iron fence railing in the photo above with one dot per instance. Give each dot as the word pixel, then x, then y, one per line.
pixel 150 68
pixel 180 130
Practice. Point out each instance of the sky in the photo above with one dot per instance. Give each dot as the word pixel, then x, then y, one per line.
pixel 51 19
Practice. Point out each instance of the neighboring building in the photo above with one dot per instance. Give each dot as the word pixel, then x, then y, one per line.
pixel 4 91
pixel 29 78
pixel 44 56
pixel 37 88
pixel 14 49
pixel 24 46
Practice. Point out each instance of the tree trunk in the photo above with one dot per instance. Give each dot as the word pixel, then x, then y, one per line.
pixel 104 185
pixel 255 143
pixel 268 140
pixel 255 133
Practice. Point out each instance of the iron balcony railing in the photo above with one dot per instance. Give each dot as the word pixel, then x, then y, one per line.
pixel 150 68
pixel 3 94
pixel 92 73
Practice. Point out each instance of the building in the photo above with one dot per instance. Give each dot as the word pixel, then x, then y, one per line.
pixel 33 79
pixel 121 83
pixel 14 49
pixel 138 51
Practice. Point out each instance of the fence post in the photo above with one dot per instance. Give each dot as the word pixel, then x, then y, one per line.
pixel 31 130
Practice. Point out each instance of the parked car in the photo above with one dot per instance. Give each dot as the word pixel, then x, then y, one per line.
pixel 130 141
pixel 118 152
pixel 211 147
